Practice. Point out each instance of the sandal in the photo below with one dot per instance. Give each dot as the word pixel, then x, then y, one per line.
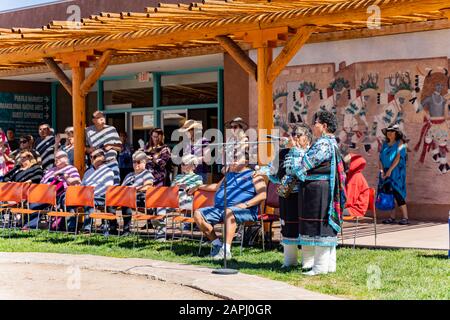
pixel 403 222
pixel 389 221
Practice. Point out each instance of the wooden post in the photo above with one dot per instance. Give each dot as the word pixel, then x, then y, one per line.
pixel 265 103
pixel 79 116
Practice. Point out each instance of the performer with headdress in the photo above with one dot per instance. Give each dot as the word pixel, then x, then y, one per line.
pixel 280 172
pixel 321 196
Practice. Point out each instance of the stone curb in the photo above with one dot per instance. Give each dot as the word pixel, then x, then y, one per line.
pixel 235 287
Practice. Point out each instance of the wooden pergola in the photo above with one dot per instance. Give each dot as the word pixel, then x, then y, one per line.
pixel 210 26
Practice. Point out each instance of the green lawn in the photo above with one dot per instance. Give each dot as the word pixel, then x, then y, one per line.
pixel 361 273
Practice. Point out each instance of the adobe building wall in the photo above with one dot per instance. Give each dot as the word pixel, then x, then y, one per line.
pixel 367 96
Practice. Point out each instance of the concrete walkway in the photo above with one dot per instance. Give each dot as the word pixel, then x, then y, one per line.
pixel 233 287
pixel 415 236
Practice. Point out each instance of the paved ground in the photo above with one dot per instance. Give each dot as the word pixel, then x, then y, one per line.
pixel 418 235
pixel 46 276
pixel 41 281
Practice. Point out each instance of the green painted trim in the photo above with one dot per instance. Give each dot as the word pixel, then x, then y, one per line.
pixel 100 95
pixel 126 77
pixel 189 107
pixel 220 100
pixel 189 71
pixel 128 110
pixel 156 99
pixel 54 105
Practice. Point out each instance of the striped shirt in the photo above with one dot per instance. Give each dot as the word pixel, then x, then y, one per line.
pixel 33 174
pixel 70 152
pixel 99 139
pixel 68 170
pixel 186 182
pixel 46 148
pixel 100 178
pixel 138 180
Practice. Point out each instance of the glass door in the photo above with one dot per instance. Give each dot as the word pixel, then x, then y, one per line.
pixel 172 120
pixel 141 123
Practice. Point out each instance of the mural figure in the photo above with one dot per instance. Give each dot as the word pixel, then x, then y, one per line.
pixel 279 113
pixel 434 135
pixel 303 106
pixel 401 100
pixel 356 126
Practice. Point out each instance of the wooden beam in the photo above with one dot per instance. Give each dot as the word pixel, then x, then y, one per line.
pixel 239 55
pixel 60 75
pixel 296 18
pixel 79 117
pixel 95 74
pixel 289 51
pixel 265 104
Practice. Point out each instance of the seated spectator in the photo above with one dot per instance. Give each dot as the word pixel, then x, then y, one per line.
pixel 29 170
pixel 186 181
pixel 101 177
pixel 68 146
pixel 245 192
pixel 357 188
pixel 5 162
pixel 62 176
pixel 12 141
pixel 125 156
pixel 141 179
pixel 25 143
pixel 45 145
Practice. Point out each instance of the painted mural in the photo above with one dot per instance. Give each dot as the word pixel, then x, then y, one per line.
pixel 369 96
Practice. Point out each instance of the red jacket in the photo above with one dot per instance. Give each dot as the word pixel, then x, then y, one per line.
pixel 357 187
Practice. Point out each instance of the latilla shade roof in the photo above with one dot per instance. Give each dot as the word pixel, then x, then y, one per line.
pixel 171 30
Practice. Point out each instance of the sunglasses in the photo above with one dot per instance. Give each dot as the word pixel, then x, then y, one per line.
pixel 95 157
pixel 137 162
pixel 24 158
pixel 23 141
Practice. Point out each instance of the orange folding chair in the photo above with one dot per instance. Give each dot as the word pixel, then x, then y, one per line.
pixel 38 194
pixel 10 197
pixel 202 199
pixel 158 197
pixel 371 207
pixel 76 196
pixel 116 196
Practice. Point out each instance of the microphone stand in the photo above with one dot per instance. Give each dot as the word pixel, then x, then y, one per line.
pixel 224 270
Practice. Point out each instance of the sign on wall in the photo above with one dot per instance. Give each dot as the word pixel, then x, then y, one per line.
pixel 24 112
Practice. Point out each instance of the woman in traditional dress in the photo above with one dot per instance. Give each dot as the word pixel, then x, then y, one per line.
pixel 279 172
pixel 160 158
pixel 392 166
pixel 321 196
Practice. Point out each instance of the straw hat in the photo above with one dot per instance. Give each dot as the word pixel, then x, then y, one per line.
pixel 191 124
pixel 396 129
pixel 239 121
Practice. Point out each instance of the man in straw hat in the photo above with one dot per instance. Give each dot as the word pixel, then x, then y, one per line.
pixel 196 145
pixel 237 140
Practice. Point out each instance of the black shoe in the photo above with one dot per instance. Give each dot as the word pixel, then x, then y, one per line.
pixel 403 222
pixel 389 221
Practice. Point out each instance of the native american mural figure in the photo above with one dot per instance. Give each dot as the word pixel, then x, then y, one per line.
pixel 402 102
pixel 280 120
pixel 434 136
pixel 359 125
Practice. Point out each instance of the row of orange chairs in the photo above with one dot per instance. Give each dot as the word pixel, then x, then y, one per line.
pixel 15 194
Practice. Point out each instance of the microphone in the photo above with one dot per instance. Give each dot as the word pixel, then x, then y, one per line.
pixel 277 137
